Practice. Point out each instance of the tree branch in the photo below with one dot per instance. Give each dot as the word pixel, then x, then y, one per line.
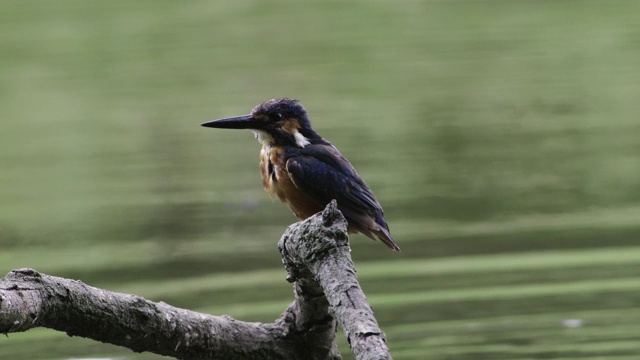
pixel 316 255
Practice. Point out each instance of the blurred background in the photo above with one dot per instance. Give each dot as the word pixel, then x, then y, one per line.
pixel 501 137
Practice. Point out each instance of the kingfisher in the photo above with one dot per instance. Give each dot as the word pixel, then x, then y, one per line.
pixel 306 171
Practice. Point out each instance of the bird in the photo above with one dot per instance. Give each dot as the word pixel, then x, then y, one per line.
pixel 305 171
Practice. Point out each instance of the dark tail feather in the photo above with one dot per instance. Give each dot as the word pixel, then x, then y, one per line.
pixel 366 225
pixel 385 237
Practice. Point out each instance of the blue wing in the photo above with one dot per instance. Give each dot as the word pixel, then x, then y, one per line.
pixel 324 174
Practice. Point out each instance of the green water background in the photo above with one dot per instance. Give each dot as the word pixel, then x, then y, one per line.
pixel 501 137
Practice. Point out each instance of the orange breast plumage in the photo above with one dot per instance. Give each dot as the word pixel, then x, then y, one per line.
pixel 277 181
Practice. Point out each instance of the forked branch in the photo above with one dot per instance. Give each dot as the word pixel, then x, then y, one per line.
pixel 316 255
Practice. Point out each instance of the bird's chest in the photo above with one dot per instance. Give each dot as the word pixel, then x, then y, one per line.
pixel 272 167
pixel 278 182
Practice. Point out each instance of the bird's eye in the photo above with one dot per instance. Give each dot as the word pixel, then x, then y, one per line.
pixel 276 117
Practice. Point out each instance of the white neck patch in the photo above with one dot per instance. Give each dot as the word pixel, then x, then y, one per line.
pixel 263 137
pixel 301 141
pixel 267 140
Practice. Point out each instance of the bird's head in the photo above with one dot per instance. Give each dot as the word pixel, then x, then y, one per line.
pixel 275 122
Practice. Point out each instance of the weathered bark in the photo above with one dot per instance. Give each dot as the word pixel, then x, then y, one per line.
pixel 316 254
pixel 321 264
pixel 30 299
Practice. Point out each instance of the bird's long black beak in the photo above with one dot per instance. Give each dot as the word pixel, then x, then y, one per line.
pixel 237 122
